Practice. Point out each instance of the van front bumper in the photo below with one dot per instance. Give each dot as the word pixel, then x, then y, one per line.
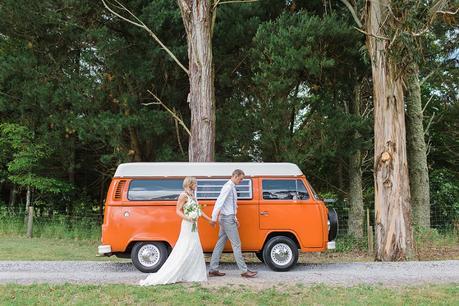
pixel 105 249
pixel 331 245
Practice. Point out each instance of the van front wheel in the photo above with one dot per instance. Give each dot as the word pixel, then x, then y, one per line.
pixel 148 257
pixel 280 253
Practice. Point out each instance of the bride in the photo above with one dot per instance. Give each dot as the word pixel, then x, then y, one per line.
pixel 186 261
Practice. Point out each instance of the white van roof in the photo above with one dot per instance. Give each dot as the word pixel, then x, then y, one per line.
pixel 182 169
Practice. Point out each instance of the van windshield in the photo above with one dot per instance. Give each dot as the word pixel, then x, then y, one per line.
pixel 284 190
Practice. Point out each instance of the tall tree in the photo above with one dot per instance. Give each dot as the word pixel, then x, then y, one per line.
pixel 417 150
pixel 198 20
pixel 394 239
pixel 356 211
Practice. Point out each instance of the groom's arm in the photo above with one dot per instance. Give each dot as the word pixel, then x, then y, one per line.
pixel 220 201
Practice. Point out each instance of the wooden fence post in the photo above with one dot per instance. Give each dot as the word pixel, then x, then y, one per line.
pixel 30 222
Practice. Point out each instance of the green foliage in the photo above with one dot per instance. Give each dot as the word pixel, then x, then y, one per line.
pixel 444 194
pixel 347 243
pixel 26 156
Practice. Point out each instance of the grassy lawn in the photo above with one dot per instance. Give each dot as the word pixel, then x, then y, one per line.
pixel 21 248
pixel 236 295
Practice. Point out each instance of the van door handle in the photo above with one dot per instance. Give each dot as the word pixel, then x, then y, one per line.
pixel 264 213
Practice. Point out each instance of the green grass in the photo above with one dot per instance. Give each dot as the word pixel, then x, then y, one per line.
pixel 431 244
pixel 58 227
pixel 234 295
pixel 21 248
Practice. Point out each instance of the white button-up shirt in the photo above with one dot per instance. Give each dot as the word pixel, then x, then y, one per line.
pixel 226 203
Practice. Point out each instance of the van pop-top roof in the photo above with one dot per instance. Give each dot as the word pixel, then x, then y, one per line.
pixel 182 169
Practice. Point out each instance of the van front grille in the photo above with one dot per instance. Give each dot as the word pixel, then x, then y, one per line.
pixel 119 190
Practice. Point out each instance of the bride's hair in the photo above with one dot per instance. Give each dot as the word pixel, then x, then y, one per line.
pixel 188 181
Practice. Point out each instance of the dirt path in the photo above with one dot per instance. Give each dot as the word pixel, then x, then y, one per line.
pixel 345 274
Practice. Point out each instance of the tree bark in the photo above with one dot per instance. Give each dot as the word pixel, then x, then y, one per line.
pixel 135 153
pixel 13 194
pixel 356 213
pixel 392 192
pixel 197 19
pixel 417 151
pixel 26 212
pixel 71 169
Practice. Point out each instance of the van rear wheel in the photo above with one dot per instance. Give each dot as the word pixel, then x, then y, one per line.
pixel 148 257
pixel 280 253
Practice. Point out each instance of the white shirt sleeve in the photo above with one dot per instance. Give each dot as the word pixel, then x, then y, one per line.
pixel 220 201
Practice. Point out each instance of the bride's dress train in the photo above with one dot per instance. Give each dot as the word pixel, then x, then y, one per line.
pixel 184 264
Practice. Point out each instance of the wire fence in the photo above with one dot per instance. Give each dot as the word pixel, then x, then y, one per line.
pixel 88 225
pixel 438 219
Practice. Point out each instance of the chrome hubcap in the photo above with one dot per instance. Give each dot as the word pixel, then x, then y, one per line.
pixel 281 254
pixel 149 255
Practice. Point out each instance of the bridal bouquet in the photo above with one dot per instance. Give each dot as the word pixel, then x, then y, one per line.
pixel 193 211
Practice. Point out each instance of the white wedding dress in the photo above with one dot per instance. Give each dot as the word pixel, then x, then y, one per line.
pixel 185 263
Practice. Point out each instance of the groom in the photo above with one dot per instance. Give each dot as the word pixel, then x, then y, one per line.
pixel 225 210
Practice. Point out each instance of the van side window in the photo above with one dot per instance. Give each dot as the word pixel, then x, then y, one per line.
pixel 148 190
pixel 284 190
pixel 209 189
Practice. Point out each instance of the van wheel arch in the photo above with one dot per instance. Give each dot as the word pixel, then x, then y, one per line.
pixel 286 234
pixel 131 244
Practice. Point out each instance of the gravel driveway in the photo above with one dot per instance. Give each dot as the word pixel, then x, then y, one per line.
pixel 347 274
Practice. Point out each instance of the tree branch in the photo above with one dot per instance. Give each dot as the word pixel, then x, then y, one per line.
pixel 354 14
pixel 369 34
pixel 233 1
pixel 177 131
pixel 428 124
pixel 448 12
pixel 169 110
pixel 142 25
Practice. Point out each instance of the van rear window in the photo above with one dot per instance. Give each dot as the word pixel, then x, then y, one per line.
pixel 209 189
pixel 147 190
pixel 284 190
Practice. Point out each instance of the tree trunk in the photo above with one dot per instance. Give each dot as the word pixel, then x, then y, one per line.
pixel 392 192
pixel 12 201
pixel 356 213
pixel 135 153
pixel 340 177
pixel 101 200
pixel 417 151
pixel 71 169
pixel 197 18
pixel 26 212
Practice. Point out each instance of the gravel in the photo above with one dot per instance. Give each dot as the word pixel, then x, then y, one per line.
pixel 344 274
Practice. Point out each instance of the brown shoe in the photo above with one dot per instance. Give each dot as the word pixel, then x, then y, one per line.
pixel 249 274
pixel 216 273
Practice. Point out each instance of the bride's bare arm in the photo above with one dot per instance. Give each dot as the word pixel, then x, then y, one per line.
pixel 206 216
pixel 179 207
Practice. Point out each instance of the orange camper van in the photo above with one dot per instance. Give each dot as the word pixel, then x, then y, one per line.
pixel 279 212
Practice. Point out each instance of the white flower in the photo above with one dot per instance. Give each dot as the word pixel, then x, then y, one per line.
pixel 193 214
